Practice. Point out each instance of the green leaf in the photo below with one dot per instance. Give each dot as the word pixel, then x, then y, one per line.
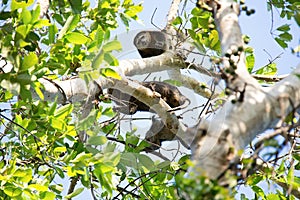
pixel 76 6
pixel 269 69
pixel 284 28
pixel 177 83
pixel 250 61
pixel 110 59
pixel 97 61
pixel 70 24
pixel 42 23
pixel 23 30
pixel 108 112
pixel 37 88
pixel 58 124
pixel 108 72
pixel 35 14
pixel 30 60
pixel 15 4
pixel 129 160
pixel 97 140
pixel 75 193
pixel 81 157
pixel 297 17
pixel 134 10
pixel 145 161
pixel 63 111
pixel 38 187
pixel 76 38
pixel 60 149
pixel 273 197
pixel 47 195
pixel 87 122
pixel 286 36
pixel 12 191
pixel 26 16
pixel 282 43
pixel 58 188
pixel 112 45
pixel 258 191
pixel 254 179
pixel 177 21
pixel 52 31
pixel 25 79
pixel 99 36
pixel 214 39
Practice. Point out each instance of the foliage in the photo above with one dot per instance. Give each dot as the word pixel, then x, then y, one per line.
pixel 288 9
pixel 39 145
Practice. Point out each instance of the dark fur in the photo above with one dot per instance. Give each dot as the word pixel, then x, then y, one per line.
pixel 170 94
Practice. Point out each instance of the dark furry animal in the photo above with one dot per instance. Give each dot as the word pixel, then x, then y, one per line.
pixel 170 94
pixel 150 43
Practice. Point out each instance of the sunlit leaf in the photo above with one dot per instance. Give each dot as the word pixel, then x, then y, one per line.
pixel 12 191
pixel 63 111
pixel 76 38
pixel 57 123
pixel 26 16
pixel 15 4
pixel 70 24
pixel 42 23
pixel 112 45
pixel 38 187
pixel 269 69
pixel 108 72
pixel 250 61
pixel 30 60
pixel 23 30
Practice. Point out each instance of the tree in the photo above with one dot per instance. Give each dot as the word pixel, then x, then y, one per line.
pixel 58 121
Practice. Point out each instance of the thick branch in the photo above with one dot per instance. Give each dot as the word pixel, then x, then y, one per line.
pixel 250 111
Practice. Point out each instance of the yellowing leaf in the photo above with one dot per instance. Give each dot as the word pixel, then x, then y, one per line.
pixel 37 88
pixel 12 191
pixel 26 16
pixel 20 4
pixel 42 23
pixel 38 187
pixel 22 30
pixel 60 149
pixel 108 72
pixel 76 38
pixel 30 60
pixel 57 123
